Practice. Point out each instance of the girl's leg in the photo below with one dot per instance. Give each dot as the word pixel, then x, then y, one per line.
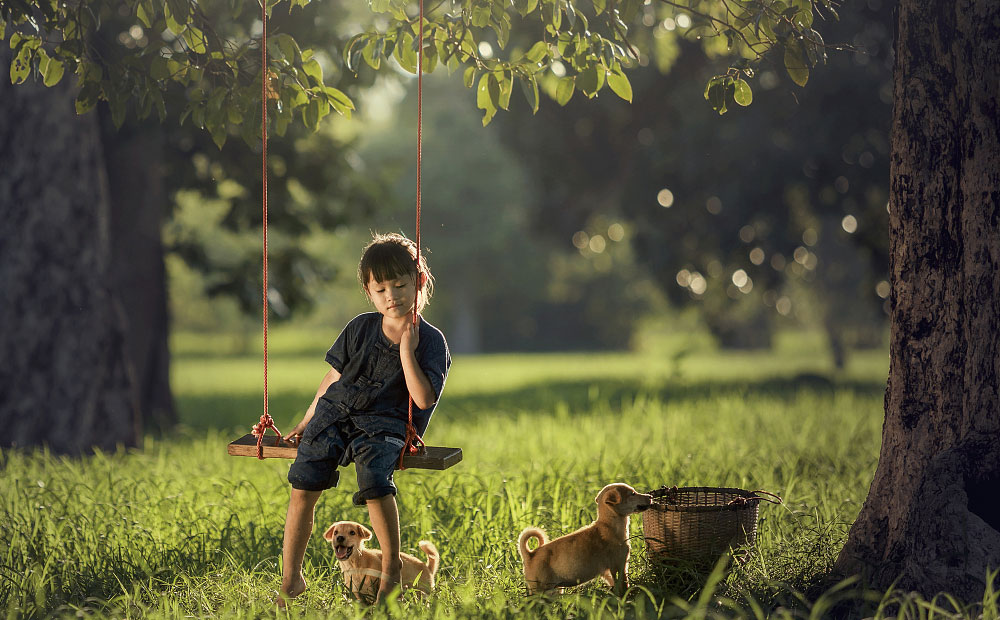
pixel 385 521
pixel 298 528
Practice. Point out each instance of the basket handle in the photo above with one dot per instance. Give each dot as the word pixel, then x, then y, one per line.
pixel 776 500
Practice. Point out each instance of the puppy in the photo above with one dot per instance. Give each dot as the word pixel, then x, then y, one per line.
pixel 363 567
pixel 600 549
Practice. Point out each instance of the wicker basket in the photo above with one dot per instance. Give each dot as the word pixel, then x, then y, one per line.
pixel 696 525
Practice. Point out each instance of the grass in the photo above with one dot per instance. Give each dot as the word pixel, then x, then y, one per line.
pixel 179 529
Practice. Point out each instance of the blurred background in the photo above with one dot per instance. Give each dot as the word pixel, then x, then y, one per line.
pixel 599 226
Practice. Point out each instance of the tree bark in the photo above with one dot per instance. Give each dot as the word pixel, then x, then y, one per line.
pixel 64 381
pixel 138 202
pixel 933 511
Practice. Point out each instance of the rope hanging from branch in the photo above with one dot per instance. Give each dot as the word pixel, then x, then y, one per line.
pixel 414 442
pixel 265 420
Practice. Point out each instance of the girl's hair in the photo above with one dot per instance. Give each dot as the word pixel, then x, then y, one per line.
pixel 390 256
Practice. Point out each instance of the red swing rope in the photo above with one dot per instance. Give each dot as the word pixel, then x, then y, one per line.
pixel 265 420
pixel 414 443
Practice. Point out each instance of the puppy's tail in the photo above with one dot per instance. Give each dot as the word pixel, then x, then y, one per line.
pixel 433 557
pixel 526 535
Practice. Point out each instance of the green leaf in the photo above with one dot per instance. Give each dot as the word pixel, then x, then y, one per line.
pixel 483 99
pixel 340 102
pixel 219 135
pixel 503 31
pixel 469 77
pixel 591 80
pixel 144 15
pixel 493 89
pixel 51 69
pixel 570 12
pixel 176 16
pixel 20 67
pixel 380 6
pixel 373 59
pixel 481 15
pixel 552 15
pixel 352 52
pixel 620 84
pixel 506 87
pixel 804 17
pixel 310 114
pixel 289 48
pixel 742 93
pixel 537 52
pixel 795 62
pixel 88 96
pixel 313 69
pixel 529 86
pixel 564 90
pixel 599 6
pixel 196 40
pixel 715 93
pixel 404 53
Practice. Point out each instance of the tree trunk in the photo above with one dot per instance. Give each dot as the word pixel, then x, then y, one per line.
pixel 134 158
pixel 63 379
pixel 933 511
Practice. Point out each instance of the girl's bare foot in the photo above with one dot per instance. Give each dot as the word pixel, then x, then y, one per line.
pixel 290 591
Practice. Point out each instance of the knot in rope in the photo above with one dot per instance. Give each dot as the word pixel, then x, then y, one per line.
pixel 260 428
pixel 414 442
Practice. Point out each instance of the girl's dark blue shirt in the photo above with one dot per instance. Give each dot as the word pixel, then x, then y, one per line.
pixel 372 389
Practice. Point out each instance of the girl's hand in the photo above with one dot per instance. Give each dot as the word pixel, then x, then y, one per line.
pixel 295 436
pixel 410 337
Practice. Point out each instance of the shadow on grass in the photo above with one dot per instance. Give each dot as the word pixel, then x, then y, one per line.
pixel 234 413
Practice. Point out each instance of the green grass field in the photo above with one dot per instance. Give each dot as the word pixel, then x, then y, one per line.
pixel 180 529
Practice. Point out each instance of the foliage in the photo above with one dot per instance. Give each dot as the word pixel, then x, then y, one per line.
pixel 577 46
pixel 742 217
pixel 211 51
pixel 207 48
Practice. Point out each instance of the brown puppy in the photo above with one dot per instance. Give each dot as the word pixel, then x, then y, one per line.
pixel 600 549
pixel 363 567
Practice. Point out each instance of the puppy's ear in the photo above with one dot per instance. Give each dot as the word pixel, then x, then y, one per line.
pixel 612 496
pixel 328 534
pixel 366 533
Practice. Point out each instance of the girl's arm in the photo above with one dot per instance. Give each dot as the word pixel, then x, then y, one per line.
pixel 416 381
pixel 331 377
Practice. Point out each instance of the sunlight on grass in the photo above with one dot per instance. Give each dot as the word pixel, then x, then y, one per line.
pixel 181 529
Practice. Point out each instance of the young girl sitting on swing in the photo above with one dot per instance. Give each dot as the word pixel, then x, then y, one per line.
pixel 360 411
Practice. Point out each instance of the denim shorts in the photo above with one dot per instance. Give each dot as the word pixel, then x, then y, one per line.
pixel 374 454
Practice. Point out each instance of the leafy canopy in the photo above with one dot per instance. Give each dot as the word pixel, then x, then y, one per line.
pixel 557 47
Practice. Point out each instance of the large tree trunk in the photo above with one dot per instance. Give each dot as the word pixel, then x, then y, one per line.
pixel 63 378
pixel 933 512
pixel 138 200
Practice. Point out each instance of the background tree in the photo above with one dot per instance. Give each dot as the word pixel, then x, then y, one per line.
pixel 108 46
pixel 65 380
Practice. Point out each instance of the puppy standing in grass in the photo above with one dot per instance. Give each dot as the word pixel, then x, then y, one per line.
pixel 600 549
pixel 362 567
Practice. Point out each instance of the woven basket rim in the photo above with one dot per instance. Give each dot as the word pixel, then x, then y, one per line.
pixel 658 494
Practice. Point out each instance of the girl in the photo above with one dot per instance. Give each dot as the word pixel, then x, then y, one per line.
pixel 359 413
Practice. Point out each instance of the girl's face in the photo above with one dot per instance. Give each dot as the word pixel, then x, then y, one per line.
pixel 393 298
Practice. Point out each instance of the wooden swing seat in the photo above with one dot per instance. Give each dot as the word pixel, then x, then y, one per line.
pixel 430 457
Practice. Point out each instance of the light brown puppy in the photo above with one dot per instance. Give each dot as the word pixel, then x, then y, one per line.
pixel 600 549
pixel 363 567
